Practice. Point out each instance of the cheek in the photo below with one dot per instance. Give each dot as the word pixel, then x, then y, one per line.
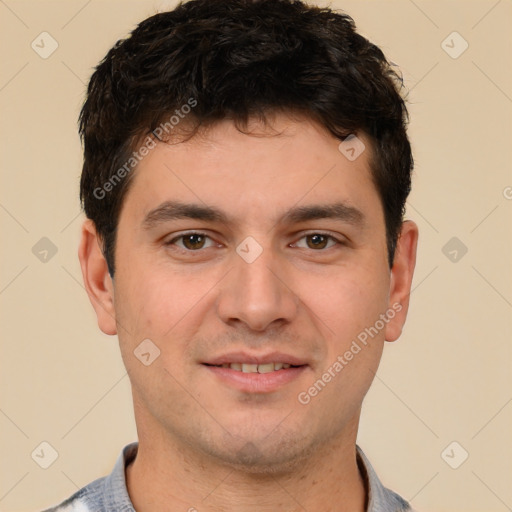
pixel 346 301
pixel 346 312
pixel 161 303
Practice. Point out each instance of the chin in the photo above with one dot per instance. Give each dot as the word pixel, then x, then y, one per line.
pixel 276 454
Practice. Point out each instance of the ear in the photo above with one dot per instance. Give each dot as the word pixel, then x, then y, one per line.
pixel 401 278
pixel 97 280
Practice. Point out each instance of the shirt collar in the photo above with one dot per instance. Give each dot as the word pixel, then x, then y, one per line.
pixel 380 499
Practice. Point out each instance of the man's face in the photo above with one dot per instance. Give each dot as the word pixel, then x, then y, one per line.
pixel 276 280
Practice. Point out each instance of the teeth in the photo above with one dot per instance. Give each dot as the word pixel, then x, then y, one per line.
pixel 266 368
pixel 256 368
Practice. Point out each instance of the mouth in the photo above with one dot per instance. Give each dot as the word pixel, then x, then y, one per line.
pixel 255 373
pixel 255 368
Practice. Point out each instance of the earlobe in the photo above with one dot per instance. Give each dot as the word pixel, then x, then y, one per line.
pixel 401 278
pixel 97 280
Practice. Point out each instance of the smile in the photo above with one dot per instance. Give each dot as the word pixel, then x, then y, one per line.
pixel 255 368
pixel 256 378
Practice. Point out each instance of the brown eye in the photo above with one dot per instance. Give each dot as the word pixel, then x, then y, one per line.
pixel 317 241
pixel 191 242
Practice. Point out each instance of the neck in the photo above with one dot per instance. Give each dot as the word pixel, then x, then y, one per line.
pixel 167 476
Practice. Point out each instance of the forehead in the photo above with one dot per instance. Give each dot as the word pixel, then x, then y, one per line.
pixel 261 172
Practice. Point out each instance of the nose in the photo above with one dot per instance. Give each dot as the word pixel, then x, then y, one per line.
pixel 257 294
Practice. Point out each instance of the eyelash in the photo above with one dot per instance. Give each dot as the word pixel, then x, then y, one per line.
pixel 321 233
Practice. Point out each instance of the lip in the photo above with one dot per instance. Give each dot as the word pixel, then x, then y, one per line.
pixel 256 382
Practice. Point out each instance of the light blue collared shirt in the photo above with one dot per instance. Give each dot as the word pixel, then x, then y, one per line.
pixel 109 494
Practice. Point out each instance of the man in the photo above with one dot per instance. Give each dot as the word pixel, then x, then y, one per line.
pixel 246 167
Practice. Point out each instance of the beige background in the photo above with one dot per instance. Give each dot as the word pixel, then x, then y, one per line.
pixel 447 379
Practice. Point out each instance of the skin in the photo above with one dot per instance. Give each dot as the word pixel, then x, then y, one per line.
pixel 202 442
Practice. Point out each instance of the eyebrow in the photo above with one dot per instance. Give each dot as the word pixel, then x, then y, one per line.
pixel 174 210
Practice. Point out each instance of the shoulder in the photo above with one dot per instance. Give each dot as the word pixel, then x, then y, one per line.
pixel 86 499
pixel 106 494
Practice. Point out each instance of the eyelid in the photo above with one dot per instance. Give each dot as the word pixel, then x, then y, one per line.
pixel 336 236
